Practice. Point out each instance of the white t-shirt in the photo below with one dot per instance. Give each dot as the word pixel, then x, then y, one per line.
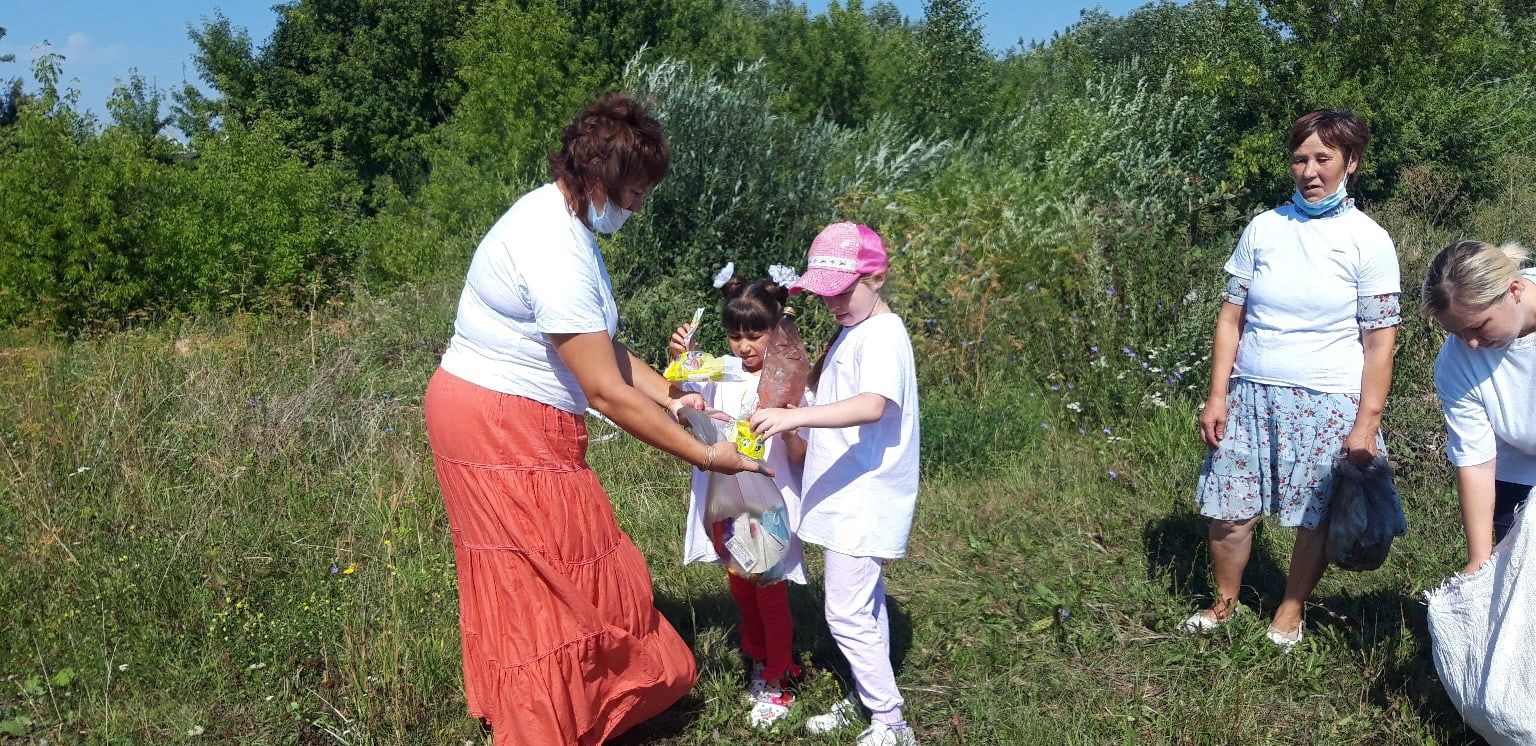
pixel 1305 276
pixel 861 482
pixel 1488 397
pixel 732 397
pixel 537 272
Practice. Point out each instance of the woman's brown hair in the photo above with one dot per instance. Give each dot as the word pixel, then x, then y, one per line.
pixel 1339 129
pixel 612 143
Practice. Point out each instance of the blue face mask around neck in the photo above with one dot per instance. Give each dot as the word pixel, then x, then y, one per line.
pixel 609 220
pixel 1323 206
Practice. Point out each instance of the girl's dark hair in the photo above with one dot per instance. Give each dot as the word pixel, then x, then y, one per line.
pixel 612 143
pixel 754 306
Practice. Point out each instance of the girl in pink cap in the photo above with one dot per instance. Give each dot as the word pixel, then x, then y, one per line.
pixel 859 486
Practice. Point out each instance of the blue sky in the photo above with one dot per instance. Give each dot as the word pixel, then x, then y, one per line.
pixel 102 40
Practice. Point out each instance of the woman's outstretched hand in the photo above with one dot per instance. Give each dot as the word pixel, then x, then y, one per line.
pixel 728 460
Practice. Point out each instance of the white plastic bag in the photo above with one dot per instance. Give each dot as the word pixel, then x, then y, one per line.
pixel 745 513
pixel 1483 629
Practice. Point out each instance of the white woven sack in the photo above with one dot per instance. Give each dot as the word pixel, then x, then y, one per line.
pixel 1483 629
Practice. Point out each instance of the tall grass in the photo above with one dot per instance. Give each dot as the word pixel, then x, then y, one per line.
pixel 232 530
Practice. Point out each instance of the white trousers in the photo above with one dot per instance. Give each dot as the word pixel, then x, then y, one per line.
pixel 859 623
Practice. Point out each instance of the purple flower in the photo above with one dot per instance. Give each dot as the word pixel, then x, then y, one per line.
pixel 335 569
pixel 1110 291
pixel 1130 353
pixel 1108 432
pixel 1114 474
pixel 1082 431
pixel 1093 349
pixel 1055 387
pixel 1063 614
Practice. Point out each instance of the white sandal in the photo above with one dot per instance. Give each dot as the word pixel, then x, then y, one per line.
pixel 1283 640
pixel 1199 623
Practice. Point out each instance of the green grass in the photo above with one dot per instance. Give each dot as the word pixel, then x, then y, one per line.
pixel 230 531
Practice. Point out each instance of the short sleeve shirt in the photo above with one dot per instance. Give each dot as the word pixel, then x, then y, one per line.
pixel 537 272
pixel 1488 397
pixel 1305 278
pixel 860 483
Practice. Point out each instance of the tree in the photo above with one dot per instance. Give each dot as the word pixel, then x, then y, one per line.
pixel 10 99
pixel 954 79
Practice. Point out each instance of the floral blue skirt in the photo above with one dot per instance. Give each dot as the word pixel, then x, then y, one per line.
pixel 1277 454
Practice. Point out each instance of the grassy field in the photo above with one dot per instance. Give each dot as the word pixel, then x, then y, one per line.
pixel 229 531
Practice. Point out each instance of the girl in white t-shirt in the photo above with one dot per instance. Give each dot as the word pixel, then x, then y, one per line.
pixel 1486 378
pixel 861 466
pixel 751 311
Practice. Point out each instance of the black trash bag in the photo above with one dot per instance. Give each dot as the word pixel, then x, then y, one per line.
pixel 1364 516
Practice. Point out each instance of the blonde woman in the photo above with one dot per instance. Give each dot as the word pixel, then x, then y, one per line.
pixel 1480 294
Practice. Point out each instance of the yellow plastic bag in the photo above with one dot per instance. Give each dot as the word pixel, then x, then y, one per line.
pixel 695 366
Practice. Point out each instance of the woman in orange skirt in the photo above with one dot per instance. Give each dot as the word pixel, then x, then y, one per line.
pixel 561 638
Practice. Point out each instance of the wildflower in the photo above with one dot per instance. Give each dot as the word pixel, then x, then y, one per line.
pixel 1114 474
pixel 1093 349
pixel 1055 387
pixel 351 568
pixel 1045 426
pixel 1130 353
pixel 1108 432
pixel 1031 287
pixel 335 569
pixel 385 395
pixel 195 731
pixel 1110 291
pixel 122 667
pixel 1063 614
pixel 1074 406
pixel 389 430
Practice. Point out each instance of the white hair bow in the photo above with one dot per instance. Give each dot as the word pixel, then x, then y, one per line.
pixel 725 275
pixel 783 274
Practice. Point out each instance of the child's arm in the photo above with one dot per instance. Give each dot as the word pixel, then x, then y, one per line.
pixel 794 448
pixel 855 410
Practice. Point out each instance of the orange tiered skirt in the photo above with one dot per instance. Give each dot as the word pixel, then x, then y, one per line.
pixel 561 638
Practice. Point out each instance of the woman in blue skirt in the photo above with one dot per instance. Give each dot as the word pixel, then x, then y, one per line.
pixel 1300 367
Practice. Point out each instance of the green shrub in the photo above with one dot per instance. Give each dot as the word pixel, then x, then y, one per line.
pixel 746 185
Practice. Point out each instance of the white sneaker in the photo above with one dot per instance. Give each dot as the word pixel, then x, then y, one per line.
pixel 880 734
pixel 1283 640
pixel 840 716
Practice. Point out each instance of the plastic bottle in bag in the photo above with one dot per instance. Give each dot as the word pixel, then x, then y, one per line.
pixel 786 367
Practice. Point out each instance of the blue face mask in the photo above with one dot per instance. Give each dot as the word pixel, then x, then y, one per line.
pixel 1322 207
pixel 609 220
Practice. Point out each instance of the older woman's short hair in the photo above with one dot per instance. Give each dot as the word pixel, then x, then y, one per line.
pixel 1339 129
pixel 612 143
